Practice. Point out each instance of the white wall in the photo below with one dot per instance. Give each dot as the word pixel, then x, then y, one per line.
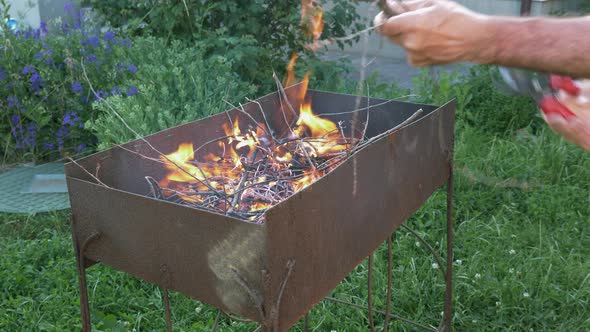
pixel 25 11
pixel 33 12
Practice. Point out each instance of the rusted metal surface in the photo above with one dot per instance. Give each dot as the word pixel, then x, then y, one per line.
pixel 275 272
pixel 328 230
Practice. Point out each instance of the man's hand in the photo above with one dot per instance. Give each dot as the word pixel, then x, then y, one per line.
pixel 437 32
pixel 575 129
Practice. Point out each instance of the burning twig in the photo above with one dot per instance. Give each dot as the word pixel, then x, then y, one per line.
pixel 270 131
pixel 155 190
pixel 241 109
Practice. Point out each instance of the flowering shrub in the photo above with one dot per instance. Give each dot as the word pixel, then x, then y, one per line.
pixel 45 98
pixel 177 83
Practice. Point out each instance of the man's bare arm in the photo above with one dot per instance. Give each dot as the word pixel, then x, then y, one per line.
pixel 440 32
pixel 554 45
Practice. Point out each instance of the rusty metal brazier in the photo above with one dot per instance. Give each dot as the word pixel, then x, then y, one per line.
pixel 273 272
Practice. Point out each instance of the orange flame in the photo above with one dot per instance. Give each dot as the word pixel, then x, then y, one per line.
pixel 290 71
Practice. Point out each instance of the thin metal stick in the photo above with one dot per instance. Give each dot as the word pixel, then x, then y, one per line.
pixel 237 319
pixel 448 308
pixel 401 319
pixel 370 293
pixel 216 323
pixel 274 316
pixel 389 282
pixel 306 322
pixel 429 247
pixel 254 296
pixel 167 309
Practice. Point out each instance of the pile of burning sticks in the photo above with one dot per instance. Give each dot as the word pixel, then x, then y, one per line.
pixel 253 169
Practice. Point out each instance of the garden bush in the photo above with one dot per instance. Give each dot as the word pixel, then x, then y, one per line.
pixel 177 84
pixel 44 97
pixel 480 103
pixel 257 37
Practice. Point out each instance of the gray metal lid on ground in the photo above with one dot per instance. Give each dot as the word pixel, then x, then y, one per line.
pixel 31 189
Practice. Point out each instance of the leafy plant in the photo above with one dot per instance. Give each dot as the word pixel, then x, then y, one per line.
pixel 494 112
pixel 480 104
pixel 177 84
pixel 257 37
pixel 441 88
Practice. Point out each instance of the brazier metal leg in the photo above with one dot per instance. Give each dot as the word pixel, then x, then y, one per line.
pixel 216 324
pixel 167 309
pixel 84 304
pixel 80 249
pixel 448 308
pixel 389 282
pixel 370 292
pixel 306 322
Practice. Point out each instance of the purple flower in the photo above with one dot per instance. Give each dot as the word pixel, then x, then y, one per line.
pixel 15 118
pixel 43 27
pixel 30 138
pixel 3 74
pixel 80 148
pixel 77 87
pixel 36 82
pixel 62 132
pixel 132 91
pixel 29 70
pixel 125 42
pixel 32 127
pixel 70 119
pixel 116 91
pixel 65 27
pixel 38 55
pixel 132 69
pixel 13 102
pixel 48 146
pixel 109 36
pixel 91 58
pixel 93 42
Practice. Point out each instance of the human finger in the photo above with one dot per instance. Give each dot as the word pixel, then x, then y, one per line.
pixel 400 6
pixel 572 130
pixel 403 23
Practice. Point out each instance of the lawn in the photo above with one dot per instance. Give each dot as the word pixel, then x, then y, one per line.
pixel 522 212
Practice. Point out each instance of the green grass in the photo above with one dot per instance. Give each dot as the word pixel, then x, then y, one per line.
pixel 522 212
